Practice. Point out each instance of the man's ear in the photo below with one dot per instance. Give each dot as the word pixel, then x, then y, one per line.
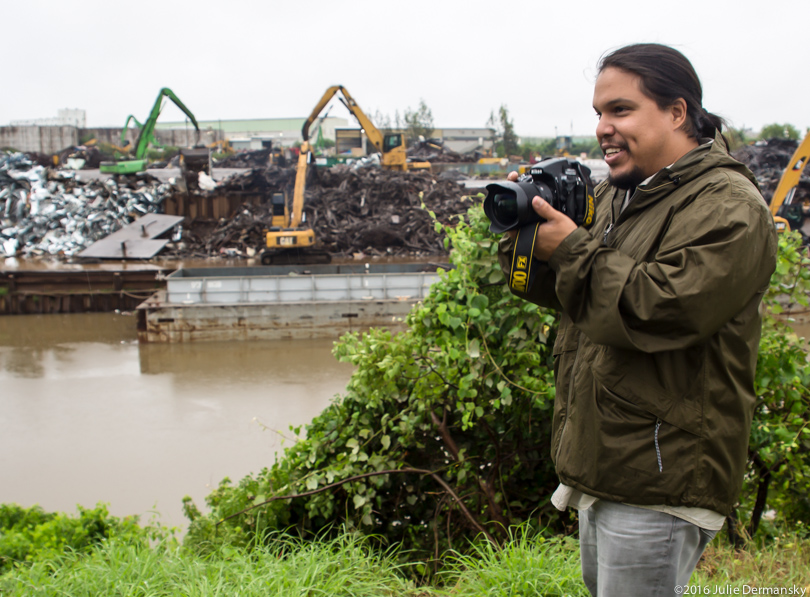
pixel 679 112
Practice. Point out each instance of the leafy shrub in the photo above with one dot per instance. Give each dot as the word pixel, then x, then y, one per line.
pixel 779 451
pixel 31 534
pixel 443 432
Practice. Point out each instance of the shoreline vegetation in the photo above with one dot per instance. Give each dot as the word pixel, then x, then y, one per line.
pixel 134 560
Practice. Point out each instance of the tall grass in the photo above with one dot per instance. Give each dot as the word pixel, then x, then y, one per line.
pixel 529 564
pixel 783 561
pixel 342 566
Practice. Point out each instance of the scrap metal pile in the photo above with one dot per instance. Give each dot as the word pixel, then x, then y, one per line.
pixel 768 160
pixel 366 211
pixel 434 150
pixel 380 211
pixel 56 213
pixel 46 212
pixel 245 159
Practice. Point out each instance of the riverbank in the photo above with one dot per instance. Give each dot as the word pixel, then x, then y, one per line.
pixel 348 565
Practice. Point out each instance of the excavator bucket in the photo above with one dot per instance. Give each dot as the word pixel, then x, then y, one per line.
pixel 192 162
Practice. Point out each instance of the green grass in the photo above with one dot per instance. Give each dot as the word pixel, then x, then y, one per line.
pixel 343 566
pixel 526 566
pixel 352 566
pixel 782 562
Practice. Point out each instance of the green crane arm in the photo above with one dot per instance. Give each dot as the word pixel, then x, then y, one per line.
pixel 148 128
pixel 126 126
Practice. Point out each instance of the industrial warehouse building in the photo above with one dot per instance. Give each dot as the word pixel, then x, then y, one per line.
pixel 52 135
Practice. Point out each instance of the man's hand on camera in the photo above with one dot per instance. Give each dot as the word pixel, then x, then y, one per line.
pixel 551 232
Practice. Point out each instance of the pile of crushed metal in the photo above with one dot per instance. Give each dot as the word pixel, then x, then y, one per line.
pixel 768 160
pixel 434 150
pixel 353 212
pixel 46 212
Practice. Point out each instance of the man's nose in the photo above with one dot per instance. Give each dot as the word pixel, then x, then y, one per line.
pixel 604 128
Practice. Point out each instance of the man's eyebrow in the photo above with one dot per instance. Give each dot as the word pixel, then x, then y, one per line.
pixel 618 100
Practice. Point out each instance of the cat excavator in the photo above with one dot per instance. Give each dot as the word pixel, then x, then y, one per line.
pixel 788 213
pixel 290 238
pixel 391 146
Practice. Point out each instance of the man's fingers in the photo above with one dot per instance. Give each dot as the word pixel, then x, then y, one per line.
pixel 543 209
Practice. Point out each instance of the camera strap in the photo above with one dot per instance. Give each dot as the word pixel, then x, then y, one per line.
pixel 521 273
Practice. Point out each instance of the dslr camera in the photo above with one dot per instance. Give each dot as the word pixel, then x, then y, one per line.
pixel 564 183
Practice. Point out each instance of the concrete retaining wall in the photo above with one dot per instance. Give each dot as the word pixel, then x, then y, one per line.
pixel 42 139
pixel 53 139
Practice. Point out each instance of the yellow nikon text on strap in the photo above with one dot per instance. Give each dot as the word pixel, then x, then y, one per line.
pixel 520 273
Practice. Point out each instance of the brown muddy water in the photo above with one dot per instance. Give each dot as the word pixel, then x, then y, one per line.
pixel 88 415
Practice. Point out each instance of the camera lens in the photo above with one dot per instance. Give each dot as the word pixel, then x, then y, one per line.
pixel 505 207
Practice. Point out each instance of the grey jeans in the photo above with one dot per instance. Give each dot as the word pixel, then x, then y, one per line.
pixel 629 551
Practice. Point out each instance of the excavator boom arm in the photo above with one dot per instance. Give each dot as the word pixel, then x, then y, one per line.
pixel 373 134
pixel 792 174
pixel 148 128
pixel 126 128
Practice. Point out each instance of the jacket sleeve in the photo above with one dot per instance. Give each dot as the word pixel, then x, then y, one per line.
pixel 542 291
pixel 715 256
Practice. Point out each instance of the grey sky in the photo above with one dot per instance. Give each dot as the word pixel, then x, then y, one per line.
pixel 248 59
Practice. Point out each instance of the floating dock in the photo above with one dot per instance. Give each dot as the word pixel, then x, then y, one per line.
pixel 279 302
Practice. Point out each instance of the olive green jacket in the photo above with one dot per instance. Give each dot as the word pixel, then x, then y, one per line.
pixel 656 350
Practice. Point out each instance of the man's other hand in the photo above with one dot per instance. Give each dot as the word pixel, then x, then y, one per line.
pixel 551 232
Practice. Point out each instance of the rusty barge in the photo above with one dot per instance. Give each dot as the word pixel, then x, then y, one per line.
pixel 280 302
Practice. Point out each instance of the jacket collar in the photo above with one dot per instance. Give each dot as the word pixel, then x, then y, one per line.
pixel 710 154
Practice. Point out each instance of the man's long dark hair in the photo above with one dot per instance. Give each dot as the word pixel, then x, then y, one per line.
pixel 667 75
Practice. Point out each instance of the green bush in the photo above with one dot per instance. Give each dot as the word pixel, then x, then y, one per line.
pixel 443 432
pixel 779 131
pixel 30 534
pixel 779 452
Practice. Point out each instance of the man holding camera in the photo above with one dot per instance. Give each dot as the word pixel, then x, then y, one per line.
pixel 656 350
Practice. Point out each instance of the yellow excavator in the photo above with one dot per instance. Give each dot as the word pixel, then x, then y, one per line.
pixel 289 239
pixel 789 214
pixel 391 146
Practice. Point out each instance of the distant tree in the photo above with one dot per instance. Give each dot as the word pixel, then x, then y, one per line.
pixel 494 129
pixel 509 138
pixel 782 131
pixel 590 147
pixel 736 138
pixel 380 120
pixel 419 123
pixel 505 140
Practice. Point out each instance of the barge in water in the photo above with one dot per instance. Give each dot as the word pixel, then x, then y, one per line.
pixel 279 302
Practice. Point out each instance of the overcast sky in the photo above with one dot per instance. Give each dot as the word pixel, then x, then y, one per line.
pixel 269 59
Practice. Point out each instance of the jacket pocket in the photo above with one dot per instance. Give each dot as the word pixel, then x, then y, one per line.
pixel 641 452
pixel 668 385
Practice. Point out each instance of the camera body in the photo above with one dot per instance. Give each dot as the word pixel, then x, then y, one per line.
pixel 563 183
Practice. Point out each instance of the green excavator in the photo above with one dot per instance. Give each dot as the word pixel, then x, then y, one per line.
pixel 147 137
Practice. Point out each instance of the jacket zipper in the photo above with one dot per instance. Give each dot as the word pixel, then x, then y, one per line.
pixel 610 225
pixel 657 448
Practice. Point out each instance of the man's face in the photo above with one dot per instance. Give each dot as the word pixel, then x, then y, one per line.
pixel 636 136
